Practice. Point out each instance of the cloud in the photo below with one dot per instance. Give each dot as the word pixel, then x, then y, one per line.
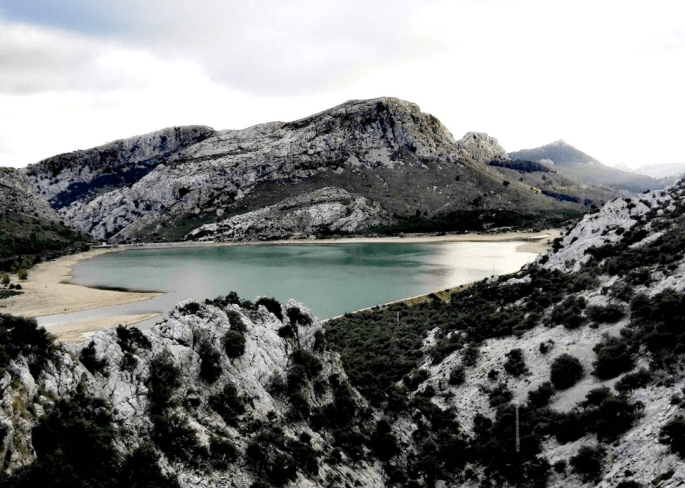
pixel 265 47
pixel 38 59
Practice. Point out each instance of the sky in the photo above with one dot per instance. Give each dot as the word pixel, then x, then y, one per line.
pixel 605 76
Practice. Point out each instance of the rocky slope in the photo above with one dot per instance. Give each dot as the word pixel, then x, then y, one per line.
pixel 82 175
pixel 329 210
pixel 385 150
pixel 571 162
pixel 30 230
pixel 611 296
pixel 216 416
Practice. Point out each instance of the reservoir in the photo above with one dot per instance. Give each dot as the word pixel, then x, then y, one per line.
pixel 330 279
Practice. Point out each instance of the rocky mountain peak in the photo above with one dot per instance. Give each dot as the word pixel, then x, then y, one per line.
pixel 482 147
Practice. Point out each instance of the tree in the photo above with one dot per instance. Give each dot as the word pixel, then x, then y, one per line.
pixel 5 279
pixel 234 344
pixel 22 274
pixel 566 371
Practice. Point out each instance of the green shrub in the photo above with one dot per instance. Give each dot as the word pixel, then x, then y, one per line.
pixel 457 376
pixel 607 415
pixel 673 435
pixel 613 357
pixel 383 442
pixel 228 404
pixel 141 469
pixel 164 379
pixel 234 344
pixel 515 365
pixel 176 439
pixel 311 363
pixel 629 484
pixel 609 314
pixel 272 305
pixel 588 463
pixel 633 381
pixel 222 453
pixel 74 446
pixel 236 321
pixel 297 317
pixel 210 363
pixel 565 371
pixel 19 335
pixel 5 279
pixel 500 395
pixel 22 274
pixel 540 398
pixel 413 381
pixel 569 313
pixel 90 361
pixel 131 337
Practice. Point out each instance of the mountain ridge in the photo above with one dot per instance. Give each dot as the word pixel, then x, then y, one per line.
pixel 385 150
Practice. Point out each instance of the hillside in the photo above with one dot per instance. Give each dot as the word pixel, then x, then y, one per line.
pixel 404 163
pixel 571 162
pixel 587 341
pixel 30 230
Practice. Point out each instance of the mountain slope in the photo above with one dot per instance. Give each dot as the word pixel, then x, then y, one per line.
pixel 587 341
pixel 385 150
pixel 574 163
pixel 30 230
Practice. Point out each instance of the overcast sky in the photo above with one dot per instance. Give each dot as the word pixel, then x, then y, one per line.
pixel 605 76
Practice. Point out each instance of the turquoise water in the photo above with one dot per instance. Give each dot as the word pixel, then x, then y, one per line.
pixel 329 279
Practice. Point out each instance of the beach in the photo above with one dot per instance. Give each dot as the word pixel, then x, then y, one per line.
pixel 47 290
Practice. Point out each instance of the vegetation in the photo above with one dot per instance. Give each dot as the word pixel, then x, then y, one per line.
pixel 21 336
pixel 522 166
pixel 565 371
pixel 27 240
pixel 475 220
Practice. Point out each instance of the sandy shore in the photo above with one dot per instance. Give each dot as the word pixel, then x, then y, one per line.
pixel 47 291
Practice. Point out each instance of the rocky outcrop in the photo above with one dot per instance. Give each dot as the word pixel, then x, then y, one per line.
pixel 122 377
pixel 482 147
pixel 321 212
pixel 17 196
pixel 81 175
pixel 385 150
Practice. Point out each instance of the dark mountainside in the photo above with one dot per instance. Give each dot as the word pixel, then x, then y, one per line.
pixel 571 162
pixel 30 230
pixel 588 341
pixel 385 165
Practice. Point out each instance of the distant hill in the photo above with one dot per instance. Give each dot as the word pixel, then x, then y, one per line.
pixel 572 162
pixel 661 170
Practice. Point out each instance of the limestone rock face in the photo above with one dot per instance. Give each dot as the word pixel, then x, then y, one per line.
pixel 17 195
pixel 385 150
pixel 329 210
pixel 189 329
pixel 482 147
pixel 80 175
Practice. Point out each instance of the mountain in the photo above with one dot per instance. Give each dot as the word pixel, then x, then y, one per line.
pixel 30 230
pixel 578 356
pixel 571 162
pixel 662 170
pixel 404 163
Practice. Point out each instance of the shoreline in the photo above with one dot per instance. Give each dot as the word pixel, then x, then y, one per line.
pixel 539 241
pixel 48 290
